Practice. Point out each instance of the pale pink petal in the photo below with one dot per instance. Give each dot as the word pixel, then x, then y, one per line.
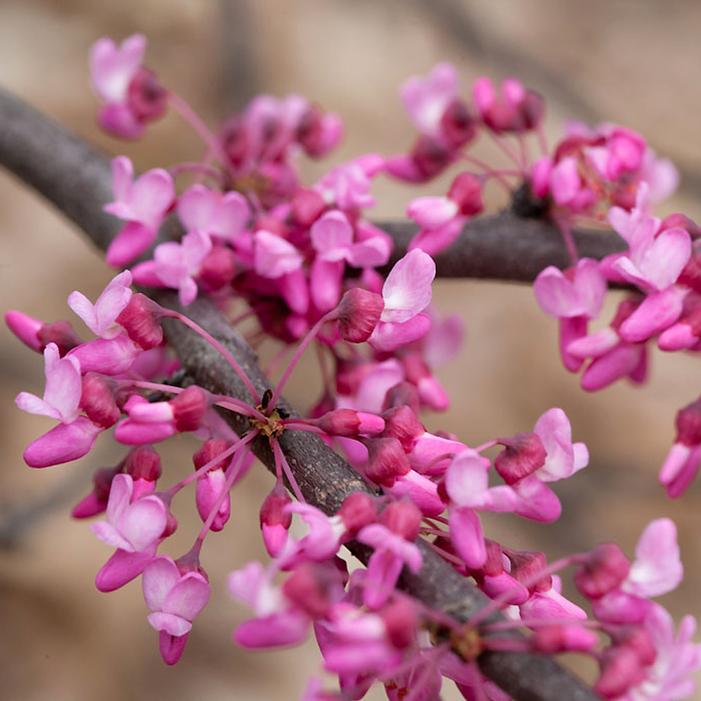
pixel 279 630
pixel 617 363
pixel 433 241
pixel 112 67
pixel 425 99
pixel 332 236
pixel 63 383
pixel 110 535
pixel 383 572
pixel 565 181
pixel 112 356
pixel 188 597
pixel 407 289
pixel 159 578
pixel 466 479
pixel 294 290
pixel 32 404
pixel 538 501
pixel 467 537
pixel 143 522
pixel 432 212
pixel 444 340
pixel 326 279
pixel 150 197
pixel 120 496
pixel 657 568
pixel 554 430
pixel 274 256
pixel 557 295
pixel 169 623
pixel 389 336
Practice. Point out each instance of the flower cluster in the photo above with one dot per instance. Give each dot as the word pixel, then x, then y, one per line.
pixel 306 267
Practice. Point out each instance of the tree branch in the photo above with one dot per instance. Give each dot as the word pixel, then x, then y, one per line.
pixel 76 179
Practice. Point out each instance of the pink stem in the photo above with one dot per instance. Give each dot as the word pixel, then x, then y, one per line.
pixel 446 555
pixel 225 352
pixel 172 491
pixel 199 168
pixel 282 460
pixel 506 149
pixel 296 358
pixel 231 474
pixel 202 130
pixel 484 446
pixel 542 141
pixel 567 237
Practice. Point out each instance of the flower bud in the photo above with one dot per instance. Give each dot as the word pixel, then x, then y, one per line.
pixel 402 423
pixel 307 206
pixel 96 502
pixel 458 125
pixel 143 463
pixel 350 423
pixel 638 639
pixel 386 461
pixel 218 268
pixel 26 328
pixel 603 571
pixel 357 511
pixel 620 670
pixel 523 454
pixel 358 314
pixel 525 567
pixel 188 408
pixel 402 518
pixel 275 520
pixel 146 97
pixel 98 402
pixel 430 157
pixel 140 319
pixel 61 333
pixel 688 424
pixel 466 192
pixel 312 588
pixel 209 450
pixel 403 393
pixel 554 639
pixel 401 621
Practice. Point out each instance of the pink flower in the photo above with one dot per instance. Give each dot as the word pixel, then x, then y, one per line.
pixel 657 568
pixel 176 265
pixel 101 317
pixel 467 486
pixel 513 109
pixel 132 526
pixel 576 292
pixel 406 293
pixel 277 622
pixel 563 457
pixel 669 678
pixel 274 256
pixel 132 94
pixel 684 457
pixel 75 435
pixel 426 99
pixel 62 390
pixel 392 552
pixel 223 215
pixel 175 598
pixel 142 203
pixel 321 541
pixel 347 186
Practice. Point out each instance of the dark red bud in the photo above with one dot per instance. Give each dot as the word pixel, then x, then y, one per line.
pixel 458 125
pixel 403 393
pixel 146 97
pixel 140 319
pixel 401 621
pixel 209 451
pixel 307 206
pixel 311 588
pixel 272 510
pixel 402 518
pixel 188 408
pixel 523 454
pixel 620 670
pixel 59 332
pixel 143 463
pixel 357 511
pixel 387 461
pixel 603 571
pixel 466 192
pixel 525 567
pixel 688 424
pixel 358 314
pixel 430 157
pixel 97 401
pixel 638 639
pixel 402 423
pixel 218 268
pixel 679 220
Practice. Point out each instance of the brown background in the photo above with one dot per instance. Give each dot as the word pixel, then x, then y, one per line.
pixel 635 62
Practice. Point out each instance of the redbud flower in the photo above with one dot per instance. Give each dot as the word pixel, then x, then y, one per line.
pixel 37 334
pixel 101 317
pixel 142 203
pixel 684 458
pixel 406 293
pixel 132 94
pixel 211 484
pixel 275 520
pixel 221 215
pixel 174 597
pixel 515 109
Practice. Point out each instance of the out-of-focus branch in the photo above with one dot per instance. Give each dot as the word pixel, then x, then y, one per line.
pixel 76 179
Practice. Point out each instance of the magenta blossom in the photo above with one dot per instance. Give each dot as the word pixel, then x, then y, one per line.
pixel 426 99
pixel 175 598
pixel 101 317
pixel 220 215
pixel 406 293
pixel 142 203
pixel 75 435
pixel 392 552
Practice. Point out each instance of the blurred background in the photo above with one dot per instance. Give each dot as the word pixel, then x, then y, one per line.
pixel 634 62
